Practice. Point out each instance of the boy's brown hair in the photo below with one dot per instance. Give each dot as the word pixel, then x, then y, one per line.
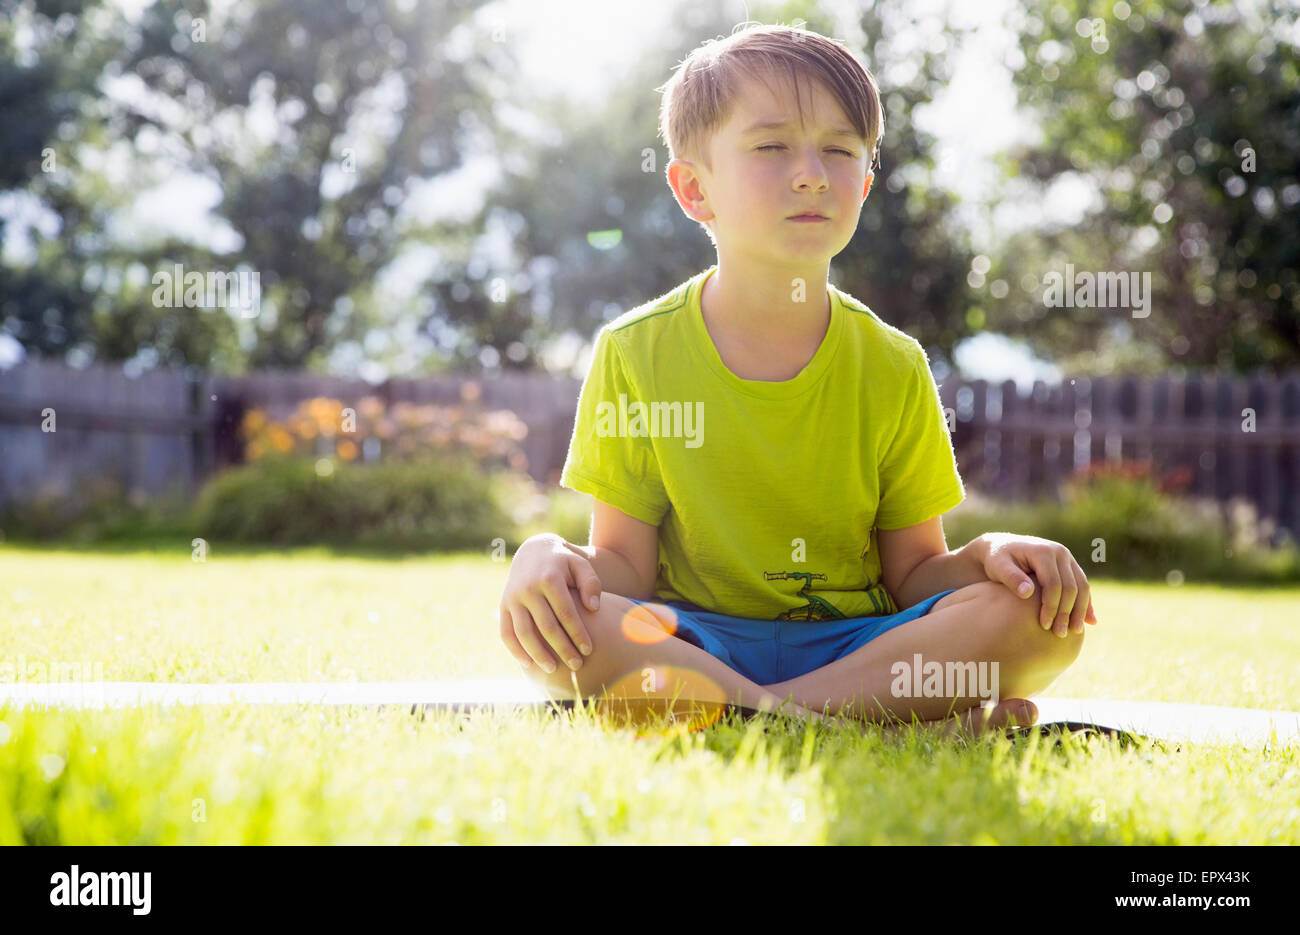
pixel 697 98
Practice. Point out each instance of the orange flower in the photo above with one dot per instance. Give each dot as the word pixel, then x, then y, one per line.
pixel 254 420
pixel 372 407
pixel 322 408
pixel 281 439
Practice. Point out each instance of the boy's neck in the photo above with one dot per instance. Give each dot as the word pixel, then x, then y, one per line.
pixel 762 308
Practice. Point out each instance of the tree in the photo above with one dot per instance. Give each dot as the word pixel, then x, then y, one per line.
pixel 365 100
pixel 51 60
pixel 1185 117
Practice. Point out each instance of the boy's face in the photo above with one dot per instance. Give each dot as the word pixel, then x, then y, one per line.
pixel 761 178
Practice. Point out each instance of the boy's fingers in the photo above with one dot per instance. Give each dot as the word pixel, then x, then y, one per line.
pixel 1049 583
pixel 1010 574
pixel 511 641
pixel 530 639
pixel 1083 600
pixel 555 631
pixel 578 632
pixel 563 599
pixel 585 581
pixel 1069 596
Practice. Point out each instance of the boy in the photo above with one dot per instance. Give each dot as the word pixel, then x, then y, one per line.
pixel 794 554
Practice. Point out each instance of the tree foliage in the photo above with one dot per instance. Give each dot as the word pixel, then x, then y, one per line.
pixel 1185 118
pixel 315 121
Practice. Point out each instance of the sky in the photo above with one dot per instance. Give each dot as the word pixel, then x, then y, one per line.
pixel 567 46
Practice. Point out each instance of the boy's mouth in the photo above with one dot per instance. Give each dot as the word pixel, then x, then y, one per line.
pixel 808 216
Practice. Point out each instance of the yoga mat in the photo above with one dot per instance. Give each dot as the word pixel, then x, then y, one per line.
pixel 1168 721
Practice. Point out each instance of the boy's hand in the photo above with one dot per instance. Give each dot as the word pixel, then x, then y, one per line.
pixel 536 594
pixel 1067 597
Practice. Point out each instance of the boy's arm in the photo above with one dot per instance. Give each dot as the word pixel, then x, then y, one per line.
pixel 915 562
pixel 615 468
pixel 617 575
pixel 624 552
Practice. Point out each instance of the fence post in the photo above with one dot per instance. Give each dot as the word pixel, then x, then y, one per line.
pixel 1237 458
pixel 1144 421
pixel 1264 398
pixel 985 462
pixel 1196 422
pixel 1289 408
pixel 1125 409
pixel 1037 435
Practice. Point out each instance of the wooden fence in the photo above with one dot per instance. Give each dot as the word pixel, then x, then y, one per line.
pixel 169 429
pixel 61 426
pixel 1217 436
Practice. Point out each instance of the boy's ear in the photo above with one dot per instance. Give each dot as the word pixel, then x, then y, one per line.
pixel 871 176
pixel 684 180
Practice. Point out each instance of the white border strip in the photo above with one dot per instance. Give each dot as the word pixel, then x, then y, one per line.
pixel 1155 719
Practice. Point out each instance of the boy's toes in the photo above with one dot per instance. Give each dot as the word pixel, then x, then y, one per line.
pixel 1013 712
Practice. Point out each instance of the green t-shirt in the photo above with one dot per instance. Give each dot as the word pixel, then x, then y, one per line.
pixel 767 495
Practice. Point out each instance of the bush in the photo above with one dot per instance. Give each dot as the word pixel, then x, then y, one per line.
pixel 98 511
pixel 567 513
pixel 1147 530
pixel 438 503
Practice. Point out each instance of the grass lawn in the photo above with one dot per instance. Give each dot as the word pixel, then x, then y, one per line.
pixel 249 774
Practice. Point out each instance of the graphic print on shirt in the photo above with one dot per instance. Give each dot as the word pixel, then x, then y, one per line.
pixel 816 608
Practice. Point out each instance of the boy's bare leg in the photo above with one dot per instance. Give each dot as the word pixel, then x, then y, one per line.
pixel 980 623
pixel 634 656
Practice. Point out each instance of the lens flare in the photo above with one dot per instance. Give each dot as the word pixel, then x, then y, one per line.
pixel 649 623
pixel 663 701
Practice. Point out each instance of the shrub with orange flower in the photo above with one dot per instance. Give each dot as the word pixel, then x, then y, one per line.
pixel 320 427
pixel 1172 481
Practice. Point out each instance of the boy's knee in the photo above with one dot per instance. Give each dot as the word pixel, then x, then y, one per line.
pixel 1048 647
pixel 623 620
pixel 1016 620
pixel 1029 657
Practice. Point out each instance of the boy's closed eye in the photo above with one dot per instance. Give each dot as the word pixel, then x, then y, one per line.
pixel 778 146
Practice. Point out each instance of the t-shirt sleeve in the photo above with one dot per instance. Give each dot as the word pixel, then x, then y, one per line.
pixel 918 475
pixel 613 467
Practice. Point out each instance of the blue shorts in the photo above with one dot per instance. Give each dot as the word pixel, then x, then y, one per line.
pixel 771 651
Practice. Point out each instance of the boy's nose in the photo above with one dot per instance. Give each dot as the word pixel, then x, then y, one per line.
pixel 811 181
pixel 810 174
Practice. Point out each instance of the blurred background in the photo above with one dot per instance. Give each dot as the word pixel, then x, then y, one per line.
pixel 418 215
